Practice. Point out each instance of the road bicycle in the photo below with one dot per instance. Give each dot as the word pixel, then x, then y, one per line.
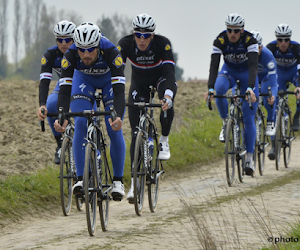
pixel 67 168
pixel 147 168
pixel 284 133
pixel 97 177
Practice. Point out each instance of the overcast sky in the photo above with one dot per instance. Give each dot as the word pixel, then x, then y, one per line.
pixel 192 25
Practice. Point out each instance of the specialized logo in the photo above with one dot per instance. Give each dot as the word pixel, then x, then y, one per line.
pixel 44 61
pixel 65 63
pixel 134 93
pixel 118 61
pixel 221 40
pixel 119 48
pixel 82 87
pixel 168 47
pixel 111 92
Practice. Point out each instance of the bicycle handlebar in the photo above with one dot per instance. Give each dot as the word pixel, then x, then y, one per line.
pixel 236 96
pixel 208 102
pixel 42 123
pixel 143 104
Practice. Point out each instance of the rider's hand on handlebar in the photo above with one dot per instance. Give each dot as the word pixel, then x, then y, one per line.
pixel 115 125
pixel 209 92
pixel 297 90
pixel 60 128
pixel 271 100
pixel 167 104
pixel 39 113
pixel 252 95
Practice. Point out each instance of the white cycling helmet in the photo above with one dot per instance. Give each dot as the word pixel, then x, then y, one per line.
pixel 64 28
pixel 257 36
pixel 87 35
pixel 144 23
pixel 283 30
pixel 235 20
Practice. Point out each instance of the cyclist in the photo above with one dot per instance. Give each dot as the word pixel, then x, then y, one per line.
pixel 93 62
pixel 240 53
pixel 267 77
pixel 152 63
pixel 51 60
pixel 287 55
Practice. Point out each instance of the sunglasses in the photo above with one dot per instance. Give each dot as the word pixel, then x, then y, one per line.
pixel 88 50
pixel 283 40
pixel 67 40
pixel 144 35
pixel 234 30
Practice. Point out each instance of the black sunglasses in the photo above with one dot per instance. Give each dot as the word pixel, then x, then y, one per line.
pixel 283 40
pixel 234 30
pixel 88 50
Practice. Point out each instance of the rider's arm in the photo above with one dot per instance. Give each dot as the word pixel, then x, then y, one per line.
pixel 297 48
pixel 252 66
pixel 122 51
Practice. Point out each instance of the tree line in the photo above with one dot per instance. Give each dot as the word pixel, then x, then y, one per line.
pixel 32 34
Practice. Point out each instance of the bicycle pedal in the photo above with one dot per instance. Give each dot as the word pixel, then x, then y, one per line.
pixel 117 197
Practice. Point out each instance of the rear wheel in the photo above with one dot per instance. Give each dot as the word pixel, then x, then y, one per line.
pixel 139 172
pixel 155 171
pixel 230 152
pixel 289 137
pixel 241 152
pixel 278 138
pixel 90 188
pixel 66 176
pixel 261 142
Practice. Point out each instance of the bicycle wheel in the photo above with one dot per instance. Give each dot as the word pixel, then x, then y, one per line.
pixel 90 188
pixel 139 172
pixel 105 184
pixel 288 138
pixel 261 142
pixel 278 138
pixel 230 152
pixel 241 147
pixel 66 176
pixel 154 173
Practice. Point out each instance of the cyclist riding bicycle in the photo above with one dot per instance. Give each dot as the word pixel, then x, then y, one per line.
pixel 152 63
pixel 93 62
pixel 287 55
pixel 51 60
pixel 240 53
pixel 267 77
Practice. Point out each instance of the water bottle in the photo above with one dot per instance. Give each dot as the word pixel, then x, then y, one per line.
pixel 150 146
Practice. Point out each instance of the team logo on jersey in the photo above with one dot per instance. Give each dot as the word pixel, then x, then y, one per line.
pixel 271 65
pixel 44 61
pixel 247 39
pixel 118 61
pixel 221 40
pixel 65 63
pixel 119 48
pixel 168 47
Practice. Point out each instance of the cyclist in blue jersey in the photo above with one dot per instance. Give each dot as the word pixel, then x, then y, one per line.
pixel 267 77
pixel 240 53
pixel 152 62
pixel 93 62
pixel 287 55
pixel 51 60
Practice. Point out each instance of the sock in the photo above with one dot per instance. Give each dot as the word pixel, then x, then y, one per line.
pixel 163 138
pixel 118 179
pixel 249 157
pixel 224 121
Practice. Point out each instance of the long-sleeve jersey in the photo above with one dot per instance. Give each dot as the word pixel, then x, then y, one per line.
pixel 109 61
pixel 50 61
pixel 241 56
pixel 148 66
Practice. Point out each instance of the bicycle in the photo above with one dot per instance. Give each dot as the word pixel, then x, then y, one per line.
pixel 262 140
pixel 97 176
pixel 284 133
pixel 67 168
pixel 147 168
pixel 235 148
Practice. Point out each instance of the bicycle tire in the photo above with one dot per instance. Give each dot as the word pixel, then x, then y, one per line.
pixel 105 185
pixel 139 172
pixel 90 187
pixel 154 172
pixel 287 147
pixel 278 138
pixel 261 143
pixel 230 158
pixel 66 177
pixel 241 153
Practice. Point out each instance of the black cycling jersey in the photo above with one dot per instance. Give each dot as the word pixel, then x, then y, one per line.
pixel 50 61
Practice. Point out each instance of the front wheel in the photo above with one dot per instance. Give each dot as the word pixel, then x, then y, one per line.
pixel 90 188
pixel 278 138
pixel 288 138
pixel 261 142
pixel 230 152
pixel 139 172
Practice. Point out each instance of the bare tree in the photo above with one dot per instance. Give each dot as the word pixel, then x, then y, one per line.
pixel 3 27
pixel 16 35
pixel 27 25
pixel 70 16
pixel 36 8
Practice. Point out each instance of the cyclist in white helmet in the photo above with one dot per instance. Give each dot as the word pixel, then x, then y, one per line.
pixel 152 62
pixel 240 53
pixel 91 63
pixel 287 55
pixel 51 60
